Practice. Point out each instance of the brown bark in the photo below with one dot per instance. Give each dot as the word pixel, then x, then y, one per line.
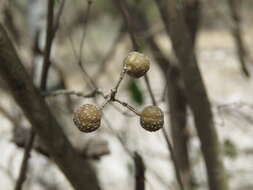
pixel 172 13
pixel 79 172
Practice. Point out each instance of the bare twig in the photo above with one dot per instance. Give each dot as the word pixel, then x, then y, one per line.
pixel 24 165
pixel 110 53
pixel 80 60
pixel 149 89
pixel 236 30
pixel 125 113
pixel 58 16
pixel 85 24
pixel 91 83
pixel 137 158
pixel 126 105
pixel 109 125
pixel 170 147
pixel 123 6
pixel 49 41
pixel 71 92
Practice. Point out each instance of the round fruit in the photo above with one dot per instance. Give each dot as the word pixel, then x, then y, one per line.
pixel 87 118
pixel 151 118
pixel 136 64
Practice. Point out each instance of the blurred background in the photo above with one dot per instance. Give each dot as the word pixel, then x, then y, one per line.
pixel 95 34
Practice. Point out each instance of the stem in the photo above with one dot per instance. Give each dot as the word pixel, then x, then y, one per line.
pixel 127 106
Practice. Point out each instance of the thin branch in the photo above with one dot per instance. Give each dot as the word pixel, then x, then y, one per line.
pixel 123 6
pixel 236 30
pixel 137 158
pixel 125 113
pixel 127 106
pixel 58 16
pixel 109 125
pixel 80 60
pixel 110 53
pixel 49 41
pixel 70 92
pixel 173 158
pixel 24 165
pixel 150 89
pixel 37 112
pixel 78 55
pixel 114 91
pixel 85 24
pixel 43 83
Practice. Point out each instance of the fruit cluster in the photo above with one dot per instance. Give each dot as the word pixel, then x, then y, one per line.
pixel 88 117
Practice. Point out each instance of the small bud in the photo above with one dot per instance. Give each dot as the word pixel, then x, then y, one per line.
pixel 136 64
pixel 87 118
pixel 152 118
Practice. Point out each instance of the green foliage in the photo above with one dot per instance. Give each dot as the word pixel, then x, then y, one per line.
pixel 230 149
pixel 135 92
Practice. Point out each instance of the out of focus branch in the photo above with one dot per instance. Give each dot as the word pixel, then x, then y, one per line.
pixel 37 112
pixel 125 11
pixel 92 94
pixel 43 83
pixel 94 149
pixel 24 164
pixel 235 10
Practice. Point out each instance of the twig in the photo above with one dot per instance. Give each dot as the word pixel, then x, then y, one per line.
pixel 80 62
pixel 111 96
pixel 138 161
pixel 49 41
pixel 85 23
pixel 170 147
pixel 235 11
pixel 150 90
pixel 86 76
pixel 91 83
pixel 122 4
pixel 125 13
pixel 24 165
pixel 109 125
pixel 125 113
pixel 70 92
pixel 110 53
pixel 127 106
pixel 58 16
pixel 122 74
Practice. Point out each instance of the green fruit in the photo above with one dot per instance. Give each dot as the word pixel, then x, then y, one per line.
pixel 136 64
pixel 152 118
pixel 87 118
